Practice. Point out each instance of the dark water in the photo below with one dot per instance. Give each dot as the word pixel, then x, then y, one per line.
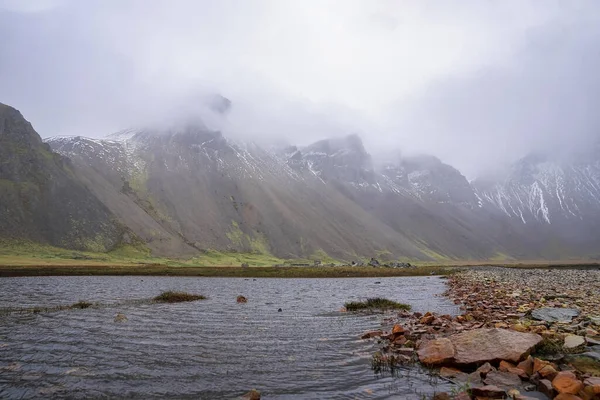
pixel 209 349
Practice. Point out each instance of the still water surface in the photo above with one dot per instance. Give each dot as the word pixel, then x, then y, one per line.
pixel 209 349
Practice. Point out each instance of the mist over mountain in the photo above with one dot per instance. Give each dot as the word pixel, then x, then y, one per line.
pixel 352 128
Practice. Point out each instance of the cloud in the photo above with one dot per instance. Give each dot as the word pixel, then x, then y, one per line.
pixel 463 81
pixel 544 100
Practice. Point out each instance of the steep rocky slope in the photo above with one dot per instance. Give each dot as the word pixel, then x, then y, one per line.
pixel 192 189
pixel 40 198
pixel 188 188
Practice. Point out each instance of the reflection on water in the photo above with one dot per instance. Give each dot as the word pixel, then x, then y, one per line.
pixel 211 349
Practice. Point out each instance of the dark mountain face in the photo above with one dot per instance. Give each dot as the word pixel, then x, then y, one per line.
pixel 40 198
pixel 187 189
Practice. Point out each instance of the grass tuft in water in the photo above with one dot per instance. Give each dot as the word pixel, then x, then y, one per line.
pixel 376 303
pixel 82 304
pixel 177 297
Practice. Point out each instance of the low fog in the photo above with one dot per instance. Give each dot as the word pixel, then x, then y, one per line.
pixel 478 84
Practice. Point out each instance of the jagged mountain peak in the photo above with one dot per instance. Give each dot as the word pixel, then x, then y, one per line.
pixel 350 144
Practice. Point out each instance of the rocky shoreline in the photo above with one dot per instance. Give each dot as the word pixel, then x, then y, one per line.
pixel 522 334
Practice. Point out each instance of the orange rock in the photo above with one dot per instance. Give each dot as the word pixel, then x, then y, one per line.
pixel 539 364
pixel 526 365
pixel 567 382
pixel 400 340
pixel 485 369
pixel 508 367
pixel 519 328
pixel 489 391
pixel 462 396
pixel 446 372
pixel 252 395
pixel 427 319
pixel 567 396
pixel 371 334
pixel 436 352
pixel 548 372
pixel 398 330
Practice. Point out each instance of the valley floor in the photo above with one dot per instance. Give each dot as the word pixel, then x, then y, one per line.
pixel 31 259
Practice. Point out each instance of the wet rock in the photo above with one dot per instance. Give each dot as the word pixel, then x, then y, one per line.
pixel 567 382
pixel 372 334
pixel 545 386
pixel 573 341
pixel 483 345
pixel 554 314
pixel 505 380
pixel 252 395
pixel 548 372
pixel 120 318
pixel 398 330
pixel 489 391
pixel 436 352
pixel 450 373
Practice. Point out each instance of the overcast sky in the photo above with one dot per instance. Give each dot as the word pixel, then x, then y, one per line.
pixel 476 83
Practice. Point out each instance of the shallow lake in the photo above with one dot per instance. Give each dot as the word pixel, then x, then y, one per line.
pixel 208 349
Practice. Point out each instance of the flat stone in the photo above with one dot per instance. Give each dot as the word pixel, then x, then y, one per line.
pixel 573 341
pixel 436 352
pixel 554 314
pixel 489 345
pixel 505 380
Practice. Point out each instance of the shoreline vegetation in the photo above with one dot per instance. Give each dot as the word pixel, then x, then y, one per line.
pixel 276 271
pixel 22 258
pixel 32 259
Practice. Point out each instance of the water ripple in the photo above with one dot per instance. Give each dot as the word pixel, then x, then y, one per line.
pixel 210 349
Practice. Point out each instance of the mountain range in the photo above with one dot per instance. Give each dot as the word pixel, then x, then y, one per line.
pixel 187 189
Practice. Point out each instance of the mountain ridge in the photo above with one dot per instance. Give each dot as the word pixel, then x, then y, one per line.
pixel 189 189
